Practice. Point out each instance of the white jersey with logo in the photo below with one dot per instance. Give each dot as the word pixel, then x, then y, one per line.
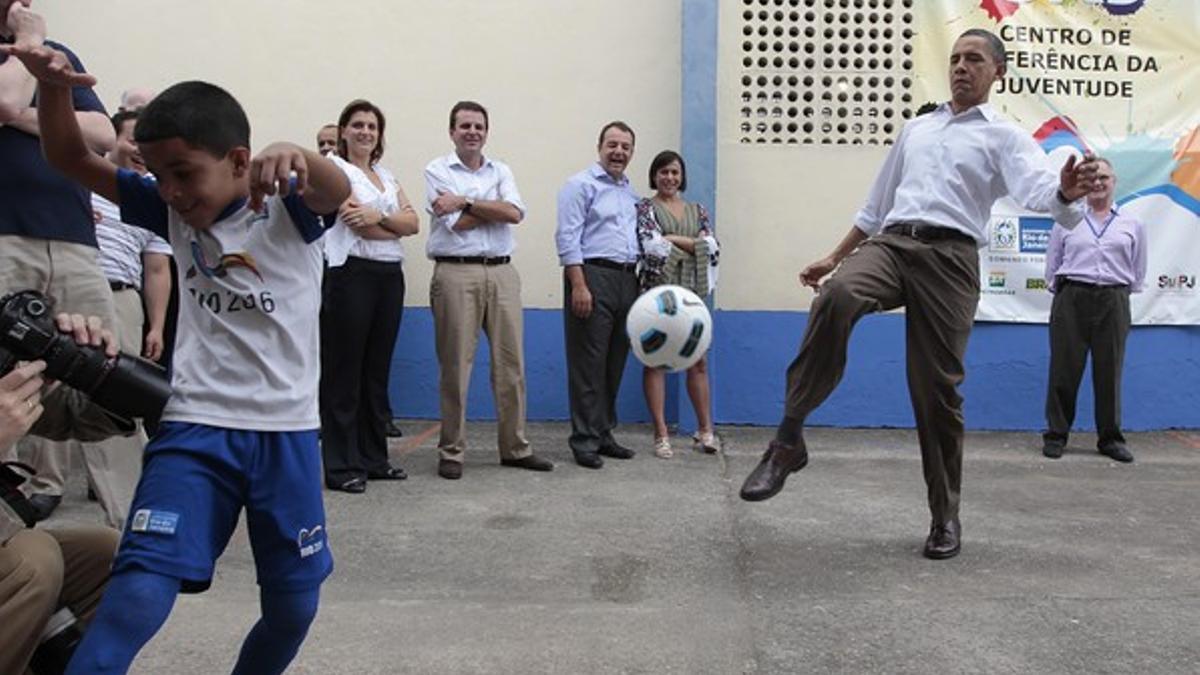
pixel 247 346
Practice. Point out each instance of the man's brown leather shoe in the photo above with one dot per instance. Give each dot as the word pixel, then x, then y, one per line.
pixel 616 451
pixel 531 462
pixel 449 469
pixel 943 541
pixel 778 462
pixel 1117 451
pixel 589 460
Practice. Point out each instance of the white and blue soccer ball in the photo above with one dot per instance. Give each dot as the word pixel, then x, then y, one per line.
pixel 669 327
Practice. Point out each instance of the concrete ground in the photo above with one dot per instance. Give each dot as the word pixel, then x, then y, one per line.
pixel 1078 565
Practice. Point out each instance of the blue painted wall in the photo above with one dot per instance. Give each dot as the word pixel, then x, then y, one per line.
pixel 1005 386
pixel 414 378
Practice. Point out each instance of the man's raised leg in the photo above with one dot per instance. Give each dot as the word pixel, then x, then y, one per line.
pixel 870 279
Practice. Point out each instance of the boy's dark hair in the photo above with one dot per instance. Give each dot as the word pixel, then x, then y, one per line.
pixel 360 105
pixel 201 114
pixel 123 116
pixel 664 158
pixel 471 106
pixel 994 43
pixel 616 124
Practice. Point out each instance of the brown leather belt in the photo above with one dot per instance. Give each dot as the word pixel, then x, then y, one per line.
pixel 472 259
pixel 923 232
pixel 611 264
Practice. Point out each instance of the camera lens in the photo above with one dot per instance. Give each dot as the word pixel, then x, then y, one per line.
pixel 133 387
pixel 127 385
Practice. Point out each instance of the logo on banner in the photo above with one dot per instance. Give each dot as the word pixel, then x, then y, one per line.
pixel 997 279
pixel 1004 236
pixel 998 10
pixel 1035 234
pixel 1179 283
pixel 1035 284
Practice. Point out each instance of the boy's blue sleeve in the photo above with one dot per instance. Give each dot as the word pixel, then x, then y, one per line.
pixel 140 203
pixel 310 225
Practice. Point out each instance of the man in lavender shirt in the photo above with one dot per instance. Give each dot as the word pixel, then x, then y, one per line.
pixel 1091 271
pixel 597 247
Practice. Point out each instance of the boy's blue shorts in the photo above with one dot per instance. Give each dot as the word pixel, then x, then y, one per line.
pixel 196 479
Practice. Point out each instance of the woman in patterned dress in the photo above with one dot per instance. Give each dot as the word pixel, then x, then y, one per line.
pixel 677 247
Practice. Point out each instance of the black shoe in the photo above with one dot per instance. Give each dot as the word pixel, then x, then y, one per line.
pixel 617 451
pixel 1052 449
pixel 391 473
pixel 531 462
pixel 589 460
pixel 392 430
pixel 1118 452
pixel 44 505
pixel 778 462
pixel 943 541
pixel 449 469
pixel 355 486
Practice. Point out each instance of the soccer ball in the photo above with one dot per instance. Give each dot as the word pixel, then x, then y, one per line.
pixel 669 327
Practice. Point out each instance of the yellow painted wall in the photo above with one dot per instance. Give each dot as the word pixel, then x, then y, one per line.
pixel 780 207
pixel 551 73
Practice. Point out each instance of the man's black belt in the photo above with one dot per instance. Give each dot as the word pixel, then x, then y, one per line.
pixel 611 264
pixel 473 259
pixel 923 232
pixel 1064 281
pixel 121 286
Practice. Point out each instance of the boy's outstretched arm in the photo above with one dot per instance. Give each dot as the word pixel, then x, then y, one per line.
pixel 62 139
pixel 323 185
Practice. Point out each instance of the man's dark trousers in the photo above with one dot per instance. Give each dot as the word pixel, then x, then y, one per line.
pixel 937 281
pixel 597 348
pixel 1087 318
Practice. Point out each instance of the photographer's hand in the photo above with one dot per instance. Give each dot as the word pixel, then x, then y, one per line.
pixel 20 401
pixel 88 331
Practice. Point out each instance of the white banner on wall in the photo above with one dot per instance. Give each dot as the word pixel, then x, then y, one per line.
pixel 1012 265
pixel 1115 78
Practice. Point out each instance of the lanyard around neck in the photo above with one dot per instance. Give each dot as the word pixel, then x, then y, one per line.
pixel 1103 228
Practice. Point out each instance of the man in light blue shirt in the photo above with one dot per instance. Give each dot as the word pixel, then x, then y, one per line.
pixel 597 247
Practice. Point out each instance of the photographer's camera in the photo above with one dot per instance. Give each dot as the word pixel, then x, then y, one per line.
pixel 127 386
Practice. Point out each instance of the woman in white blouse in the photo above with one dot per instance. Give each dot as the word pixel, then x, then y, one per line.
pixel 362 302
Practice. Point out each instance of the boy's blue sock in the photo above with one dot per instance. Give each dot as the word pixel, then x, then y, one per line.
pixel 275 639
pixel 134 607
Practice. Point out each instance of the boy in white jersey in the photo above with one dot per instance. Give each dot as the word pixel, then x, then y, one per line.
pixel 240 428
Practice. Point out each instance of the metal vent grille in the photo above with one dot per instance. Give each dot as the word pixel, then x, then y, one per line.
pixel 830 72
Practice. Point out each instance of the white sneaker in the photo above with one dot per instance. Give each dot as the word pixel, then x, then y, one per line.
pixel 662 448
pixel 707 441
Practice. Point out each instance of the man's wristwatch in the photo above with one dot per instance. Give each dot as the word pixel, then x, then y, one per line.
pixel 467 206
